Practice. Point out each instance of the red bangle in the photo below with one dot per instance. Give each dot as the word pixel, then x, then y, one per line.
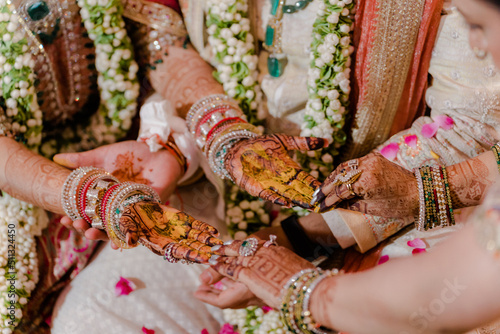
pixel 230 121
pixel 105 200
pixel 207 116
pixel 83 197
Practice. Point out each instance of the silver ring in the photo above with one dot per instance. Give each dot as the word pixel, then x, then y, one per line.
pixel 168 256
pixel 271 241
pixel 249 247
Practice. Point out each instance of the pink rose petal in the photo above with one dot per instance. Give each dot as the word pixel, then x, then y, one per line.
pixel 417 243
pixel 411 141
pixel 383 259
pixel 124 287
pixel 266 309
pixel 219 286
pixel 390 151
pixel 204 331
pixel 227 329
pixel 444 122
pixel 147 331
pixel 429 130
pixel 418 251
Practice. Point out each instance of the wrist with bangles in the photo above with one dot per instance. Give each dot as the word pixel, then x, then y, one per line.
pixel 435 204
pixel 217 124
pixel 295 301
pixel 100 199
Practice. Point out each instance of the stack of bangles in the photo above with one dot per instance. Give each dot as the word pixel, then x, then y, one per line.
pixel 217 123
pixel 96 196
pixel 296 295
pixel 435 198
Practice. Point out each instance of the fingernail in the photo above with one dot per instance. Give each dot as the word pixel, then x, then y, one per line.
pixel 207 277
pixel 227 243
pixel 216 248
pixel 213 260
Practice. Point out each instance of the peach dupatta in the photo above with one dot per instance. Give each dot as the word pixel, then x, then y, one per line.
pixel 394 41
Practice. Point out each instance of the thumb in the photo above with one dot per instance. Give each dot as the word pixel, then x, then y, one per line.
pixel 75 160
pixel 302 143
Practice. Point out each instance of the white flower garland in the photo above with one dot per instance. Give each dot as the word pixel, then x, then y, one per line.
pixel 20 222
pixel 17 82
pixel 326 109
pixel 22 120
pixel 236 62
pixel 254 320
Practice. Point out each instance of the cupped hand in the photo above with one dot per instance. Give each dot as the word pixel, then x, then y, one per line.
pixel 264 168
pixel 156 226
pixel 130 161
pixel 223 292
pixel 381 188
pixel 265 274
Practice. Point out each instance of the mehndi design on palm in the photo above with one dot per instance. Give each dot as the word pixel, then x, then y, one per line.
pixel 263 167
pixel 156 226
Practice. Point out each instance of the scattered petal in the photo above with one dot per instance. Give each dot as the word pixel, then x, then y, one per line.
pixel 383 259
pixel 124 287
pixel 147 331
pixel 390 151
pixel 444 121
pixel 204 331
pixel 219 286
pixel 418 251
pixel 227 329
pixel 417 243
pixel 266 309
pixel 429 130
pixel 411 141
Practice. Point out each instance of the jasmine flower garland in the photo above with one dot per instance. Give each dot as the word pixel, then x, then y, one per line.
pixel 234 52
pixel 254 320
pixel 22 115
pixel 20 222
pixel 328 84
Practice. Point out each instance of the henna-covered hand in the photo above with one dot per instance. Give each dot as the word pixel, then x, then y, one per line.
pixel 157 225
pixel 265 273
pixel 263 167
pixel 381 189
pixel 130 161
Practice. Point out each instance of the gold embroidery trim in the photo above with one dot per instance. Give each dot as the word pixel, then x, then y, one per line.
pixel 156 16
pixel 397 27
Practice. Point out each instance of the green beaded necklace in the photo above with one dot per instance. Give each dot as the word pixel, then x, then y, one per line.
pixel 277 60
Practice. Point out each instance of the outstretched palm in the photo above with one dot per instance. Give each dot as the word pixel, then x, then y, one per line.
pixel 263 167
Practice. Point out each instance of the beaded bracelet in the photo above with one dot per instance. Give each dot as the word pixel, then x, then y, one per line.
pixel 435 205
pixel 287 292
pixel 306 313
pixel 421 197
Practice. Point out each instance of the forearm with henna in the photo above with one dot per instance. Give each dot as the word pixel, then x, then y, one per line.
pixel 31 177
pixel 470 180
pixel 184 78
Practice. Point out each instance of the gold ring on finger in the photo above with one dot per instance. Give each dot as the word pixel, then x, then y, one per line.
pixel 349 187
